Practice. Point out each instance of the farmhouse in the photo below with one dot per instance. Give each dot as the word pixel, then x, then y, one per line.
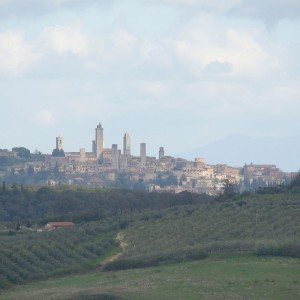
pixel 55 225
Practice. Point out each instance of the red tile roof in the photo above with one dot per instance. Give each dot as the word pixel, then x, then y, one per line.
pixel 60 224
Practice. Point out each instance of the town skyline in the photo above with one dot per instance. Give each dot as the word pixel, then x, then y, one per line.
pixel 237 150
pixel 234 144
pixel 119 167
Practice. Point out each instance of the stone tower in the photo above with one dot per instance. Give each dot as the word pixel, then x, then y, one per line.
pixel 143 154
pixel 114 156
pixel 98 145
pixel 161 152
pixel 60 143
pixel 126 144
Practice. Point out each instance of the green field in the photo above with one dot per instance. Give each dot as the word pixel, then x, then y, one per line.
pixel 221 276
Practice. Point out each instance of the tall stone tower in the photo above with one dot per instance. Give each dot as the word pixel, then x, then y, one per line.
pixel 98 145
pixel 60 143
pixel 143 154
pixel 161 152
pixel 126 144
pixel 114 156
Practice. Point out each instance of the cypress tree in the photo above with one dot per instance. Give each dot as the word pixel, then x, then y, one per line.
pixel 18 227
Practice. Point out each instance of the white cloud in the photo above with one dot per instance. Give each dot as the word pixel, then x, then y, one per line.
pixel 38 7
pixel 16 55
pixel 269 11
pixel 206 40
pixel 67 39
pixel 45 117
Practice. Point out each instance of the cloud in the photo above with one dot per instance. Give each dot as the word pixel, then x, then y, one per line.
pixel 206 40
pixel 206 5
pixel 45 117
pixel 111 49
pixel 270 11
pixel 38 7
pixel 120 44
pixel 66 39
pixel 66 48
pixel 16 55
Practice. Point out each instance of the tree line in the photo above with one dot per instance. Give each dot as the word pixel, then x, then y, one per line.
pixel 22 204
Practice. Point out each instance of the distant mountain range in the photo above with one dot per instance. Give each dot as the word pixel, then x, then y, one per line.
pixel 238 150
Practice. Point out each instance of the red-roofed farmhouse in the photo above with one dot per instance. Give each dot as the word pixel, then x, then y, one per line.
pixel 54 225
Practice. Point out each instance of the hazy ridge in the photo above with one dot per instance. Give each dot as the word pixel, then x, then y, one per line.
pixel 237 150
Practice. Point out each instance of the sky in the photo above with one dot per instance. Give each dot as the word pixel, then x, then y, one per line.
pixel 174 73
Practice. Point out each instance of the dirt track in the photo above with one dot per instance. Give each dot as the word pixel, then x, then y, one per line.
pixel 120 237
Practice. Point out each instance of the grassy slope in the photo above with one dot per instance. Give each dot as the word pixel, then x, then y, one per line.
pixel 229 276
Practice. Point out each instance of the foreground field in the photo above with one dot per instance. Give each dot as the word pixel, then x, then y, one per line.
pixel 261 224
pixel 187 242
pixel 221 276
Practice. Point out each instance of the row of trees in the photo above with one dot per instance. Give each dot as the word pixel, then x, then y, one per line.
pixel 58 153
pixel 79 203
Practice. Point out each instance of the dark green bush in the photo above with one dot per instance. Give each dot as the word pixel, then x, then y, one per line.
pixel 197 255
pixel 274 249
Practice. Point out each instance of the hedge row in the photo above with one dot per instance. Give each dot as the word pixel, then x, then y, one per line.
pixel 155 260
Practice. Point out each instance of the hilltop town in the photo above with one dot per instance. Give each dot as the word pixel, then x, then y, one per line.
pixel 113 167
